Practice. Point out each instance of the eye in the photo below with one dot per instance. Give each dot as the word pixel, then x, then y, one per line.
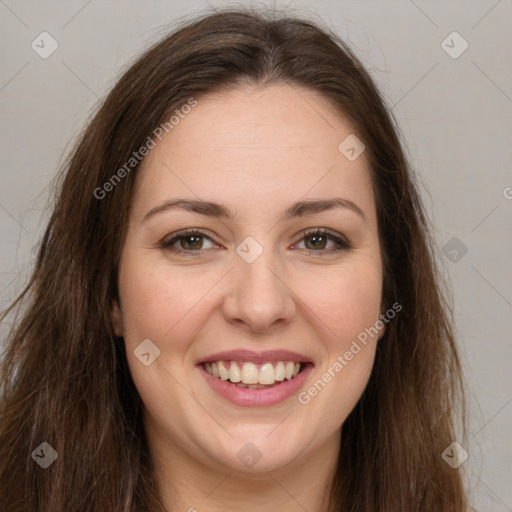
pixel 189 241
pixel 319 238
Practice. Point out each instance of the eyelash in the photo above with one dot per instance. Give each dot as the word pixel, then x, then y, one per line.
pixel 342 244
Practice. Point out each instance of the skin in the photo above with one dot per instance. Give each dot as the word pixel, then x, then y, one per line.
pixel 255 150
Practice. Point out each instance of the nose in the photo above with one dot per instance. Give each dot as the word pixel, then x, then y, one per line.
pixel 259 297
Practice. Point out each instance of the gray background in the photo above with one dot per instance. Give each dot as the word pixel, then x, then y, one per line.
pixel 455 115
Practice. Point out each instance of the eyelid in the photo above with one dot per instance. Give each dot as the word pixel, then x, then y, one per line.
pixel 338 238
pixel 332 235
pixel 169 240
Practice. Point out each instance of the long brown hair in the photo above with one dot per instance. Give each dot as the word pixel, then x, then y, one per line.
pixel 65 378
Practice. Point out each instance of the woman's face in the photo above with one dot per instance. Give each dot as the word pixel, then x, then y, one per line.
pixel 251 285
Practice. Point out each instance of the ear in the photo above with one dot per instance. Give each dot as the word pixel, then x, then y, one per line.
pixel 117 318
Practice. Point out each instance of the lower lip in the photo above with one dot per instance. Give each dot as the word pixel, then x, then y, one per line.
pixel 263 397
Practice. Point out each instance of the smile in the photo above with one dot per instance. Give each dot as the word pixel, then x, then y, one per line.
pixel 251 375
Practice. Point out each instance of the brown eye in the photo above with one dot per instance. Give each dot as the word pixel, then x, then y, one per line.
pixel 316 241
pixel 191 242
pixel 187 241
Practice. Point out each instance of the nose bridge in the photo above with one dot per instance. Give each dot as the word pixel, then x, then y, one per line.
pixel 260 296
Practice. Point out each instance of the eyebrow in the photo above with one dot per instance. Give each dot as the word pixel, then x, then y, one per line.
pixel 216 210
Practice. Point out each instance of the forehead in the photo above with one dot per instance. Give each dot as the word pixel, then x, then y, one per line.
pixel 255 144
pixel 251 119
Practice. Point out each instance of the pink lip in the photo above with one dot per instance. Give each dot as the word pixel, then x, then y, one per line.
pixel 263 397
pixel 268 356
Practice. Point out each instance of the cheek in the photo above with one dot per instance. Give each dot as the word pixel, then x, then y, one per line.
pixel 156 300
pixel 349 308
pixel 347 302
pixel 161 304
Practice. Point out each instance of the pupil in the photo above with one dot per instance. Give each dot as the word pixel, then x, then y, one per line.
pixel 316 237
pixel 187 238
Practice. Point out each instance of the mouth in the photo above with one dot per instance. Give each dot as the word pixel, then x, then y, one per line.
pixel 248 378
pixel 251 375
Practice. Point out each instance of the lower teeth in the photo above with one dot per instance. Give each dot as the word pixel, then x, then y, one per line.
pixel 254 386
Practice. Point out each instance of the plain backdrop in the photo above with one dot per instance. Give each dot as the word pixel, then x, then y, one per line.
pixel 453 104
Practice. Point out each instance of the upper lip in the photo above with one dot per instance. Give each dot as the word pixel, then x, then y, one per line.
pixel 267 356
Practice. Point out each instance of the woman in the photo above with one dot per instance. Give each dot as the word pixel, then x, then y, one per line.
pixel 235 304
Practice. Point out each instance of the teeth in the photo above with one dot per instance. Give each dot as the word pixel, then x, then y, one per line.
pixel 267 374
pixel 288 370
pixel 249 375
pixel 235 375
pixel 280 374
pixel 223 373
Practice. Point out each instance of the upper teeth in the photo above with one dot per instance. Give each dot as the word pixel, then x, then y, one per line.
pixel 249 373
